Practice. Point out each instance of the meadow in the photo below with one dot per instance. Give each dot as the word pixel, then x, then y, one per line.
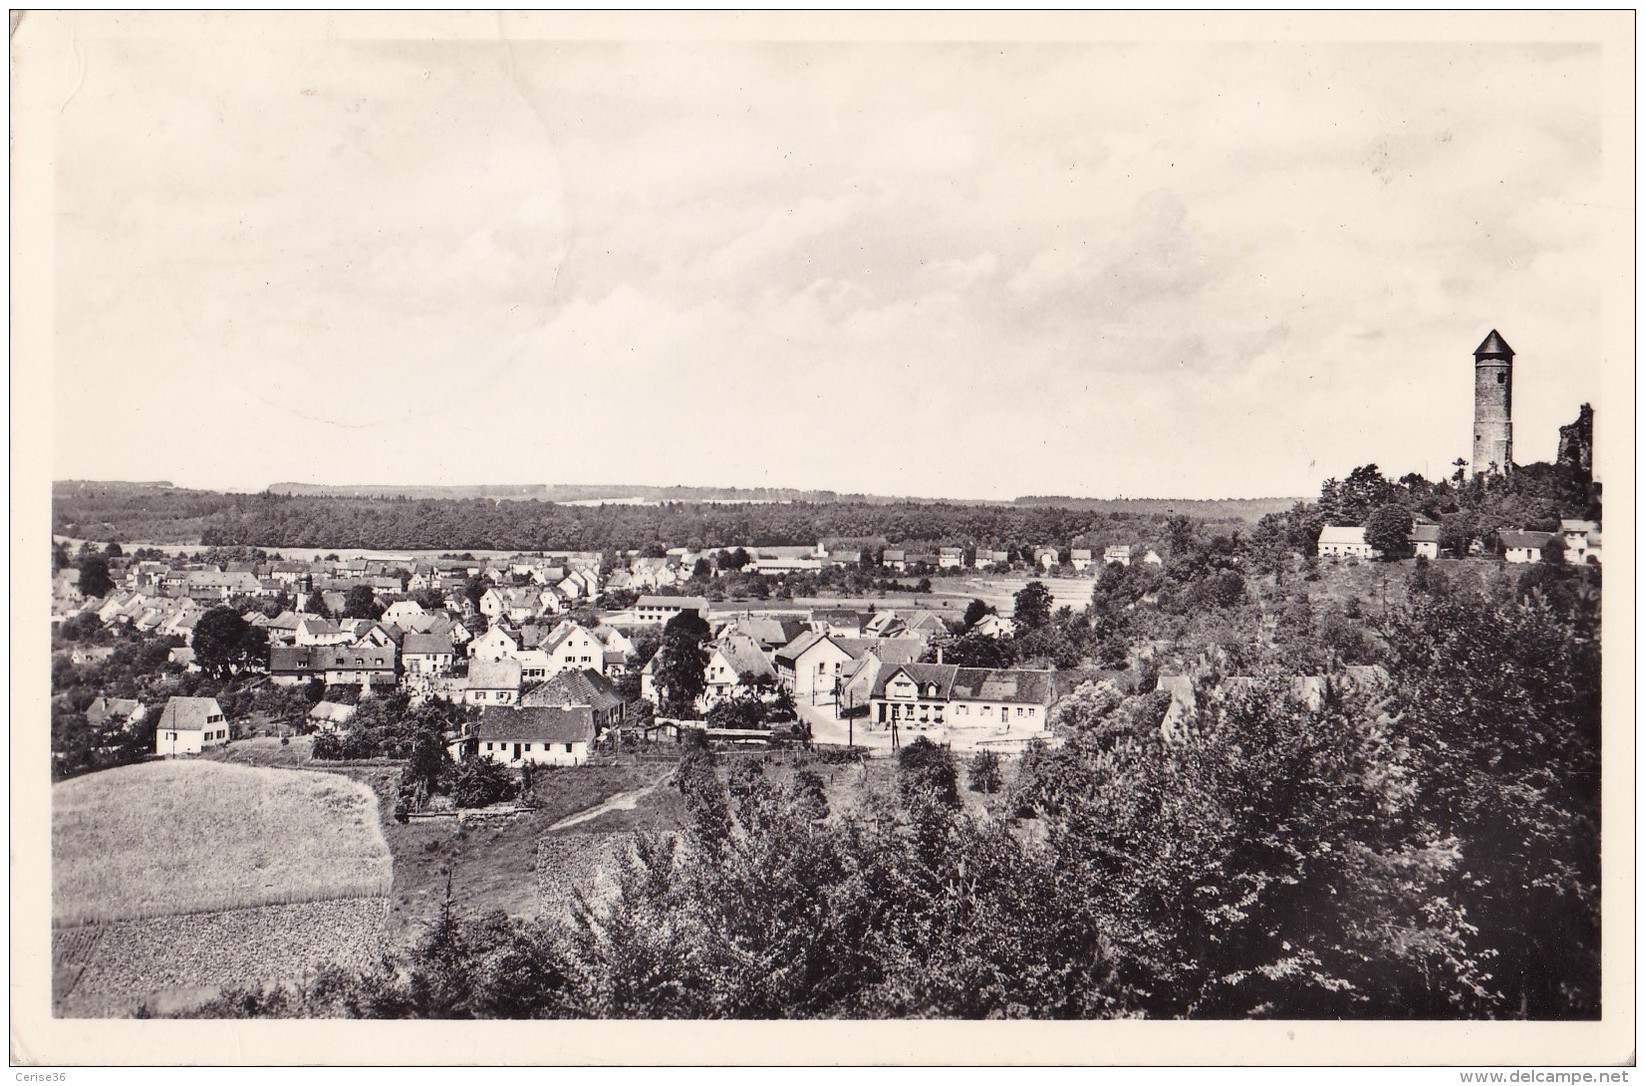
pixel 181 837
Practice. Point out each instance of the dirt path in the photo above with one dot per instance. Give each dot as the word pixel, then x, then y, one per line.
pixel 623 801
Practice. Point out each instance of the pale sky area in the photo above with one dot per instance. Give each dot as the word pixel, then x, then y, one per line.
pixel 974 271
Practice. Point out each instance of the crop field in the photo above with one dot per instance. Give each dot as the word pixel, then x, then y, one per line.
pixel 170 961
pixel 172 838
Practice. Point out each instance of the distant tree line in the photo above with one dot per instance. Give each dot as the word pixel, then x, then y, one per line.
pixel 271 521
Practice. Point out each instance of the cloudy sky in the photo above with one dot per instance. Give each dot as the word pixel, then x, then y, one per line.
pixel 967 270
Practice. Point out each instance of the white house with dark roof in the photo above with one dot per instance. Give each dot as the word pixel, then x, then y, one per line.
pixel 1424 540
pixel 1524 546
pixel 493 682
pixel 809 664
pixel 189 726
pixel 543 734
pixel 929 696
pixel 429 655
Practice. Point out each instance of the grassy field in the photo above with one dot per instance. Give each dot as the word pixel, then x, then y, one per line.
pixel 169 838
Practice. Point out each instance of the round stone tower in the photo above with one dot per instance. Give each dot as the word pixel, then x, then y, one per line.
pixel 1493 405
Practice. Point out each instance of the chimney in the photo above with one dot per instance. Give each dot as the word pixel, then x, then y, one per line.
pixel 939 654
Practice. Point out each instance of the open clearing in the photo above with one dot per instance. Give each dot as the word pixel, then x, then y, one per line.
pixel 172 838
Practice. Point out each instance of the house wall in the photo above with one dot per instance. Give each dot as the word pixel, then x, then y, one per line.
pixel 189 741
pixel 816 669
pixel 575 753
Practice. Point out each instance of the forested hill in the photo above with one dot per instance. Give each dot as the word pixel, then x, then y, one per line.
pixel 1251 509
pixel 573 492
pixel 127 513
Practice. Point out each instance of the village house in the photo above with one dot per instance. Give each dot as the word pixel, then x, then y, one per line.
pixel 427 655
pixel 545 735
pixel 1582 546
pixel 837 621
pixel 319 631
pixel 493 682
pixel 735 663
pixel 120 711
pixel 1424 540
pixel 1342 541
pixel 570 647
pixel 993 626
pixel 588 688
pixel 1117 554
pixel 189 726
pixel 894 558
pixel 1152 558
pixel 1523 546
pixel 1080 559
pixel 367 665
pixel 497 643
pixel 808 666
pixel 950 558
pixel 948 696
pixel 401 611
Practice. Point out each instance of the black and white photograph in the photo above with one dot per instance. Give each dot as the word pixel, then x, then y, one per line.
pixel 838 518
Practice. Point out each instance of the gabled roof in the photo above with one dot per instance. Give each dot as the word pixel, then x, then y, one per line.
pixel 1525 540
pixel 1342 534
pixel 422 644
pixel 564 630
pixel 1578 526
pixel 1494 346
pixel 1424 533
pixel 188 714
pixel 354 657
pixel 494 674
pixel 583 687
pixel 942 675
pixel 283 659
pixel 1016 687
pixel 537 724
pixel 742 654
pixel 851 646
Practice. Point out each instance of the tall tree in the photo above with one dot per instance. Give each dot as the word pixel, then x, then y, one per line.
pixel 224 643
pixel 1388 529
pixel 682 663
pixel 1033 607
pixel 94 576
pixel 361 602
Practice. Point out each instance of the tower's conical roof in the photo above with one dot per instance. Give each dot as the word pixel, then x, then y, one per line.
pixel 1494 347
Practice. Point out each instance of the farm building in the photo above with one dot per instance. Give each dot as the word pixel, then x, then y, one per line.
pixel 1524 546
pixel 1344 542
pixel 188 726
pixel 544 734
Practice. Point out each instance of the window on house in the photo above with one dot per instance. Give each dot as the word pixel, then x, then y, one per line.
pixel 1502 378
pixel 1019 710
pixel 568 748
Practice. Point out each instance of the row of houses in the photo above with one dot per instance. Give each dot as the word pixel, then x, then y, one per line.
pixel 1581 539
